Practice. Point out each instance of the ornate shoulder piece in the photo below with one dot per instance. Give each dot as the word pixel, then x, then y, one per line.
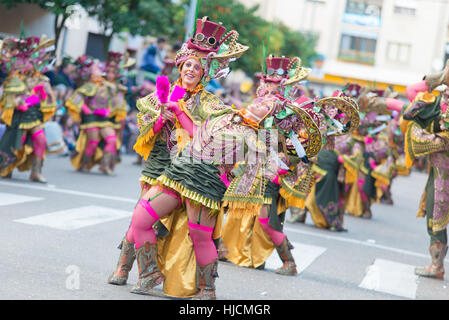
pixel 14 85
pixel 345 106
pixel 89 89
pixel 212 105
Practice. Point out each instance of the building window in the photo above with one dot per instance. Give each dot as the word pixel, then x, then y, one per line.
pixel 361 12
pixel 95 46
pixel 398 52
pixel 404 10
pixel 357 49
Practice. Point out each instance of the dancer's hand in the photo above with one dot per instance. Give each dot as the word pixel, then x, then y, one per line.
pixel 167 115
pixel 173 107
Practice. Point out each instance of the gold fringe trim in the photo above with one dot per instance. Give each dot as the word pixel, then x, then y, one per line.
pixel 409 157
pixel 189 194
pixel 240 209
pixel 29 125
pixel 380 179
pixel 182 136
pixel 96 124
pixel 48 113
pixel 145 144
pixel 441 224
pixel 148 180
pixel 120 115
pixel 7 116
pixel 73 111
pixel 291 200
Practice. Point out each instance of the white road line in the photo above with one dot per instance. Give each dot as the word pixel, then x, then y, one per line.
pixel 76 218
pixel 306 254
pixel 67 191
pixel 7 199
pixel 315 234
pixel 391 277
pixel 359 242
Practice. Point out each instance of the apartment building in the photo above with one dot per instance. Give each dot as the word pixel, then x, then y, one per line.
pixel 373 42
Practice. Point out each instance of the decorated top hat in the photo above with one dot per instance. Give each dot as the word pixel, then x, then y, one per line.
pixel 207 36
pixel 277 68
pixel 352 90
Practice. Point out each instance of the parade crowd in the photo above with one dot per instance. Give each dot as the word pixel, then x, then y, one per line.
pixel 213 187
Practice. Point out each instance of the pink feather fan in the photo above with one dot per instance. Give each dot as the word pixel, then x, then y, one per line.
pixel 177 94
pixel 162 88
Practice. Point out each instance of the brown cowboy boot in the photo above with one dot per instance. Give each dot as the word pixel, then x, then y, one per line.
pixel 367 214
pixel 284 252
pixel 438 252
pixel 205 281
pixel 106 163
pixel 436 79
pixel 149 274
pixel 125 263
pixel 297 215
pixel 36 170
pixel 85 163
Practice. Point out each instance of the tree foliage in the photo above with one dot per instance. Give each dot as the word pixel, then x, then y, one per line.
pixel 263 37
pixel 166 18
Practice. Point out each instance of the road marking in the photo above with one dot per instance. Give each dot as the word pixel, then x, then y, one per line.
pixel 76 218
pixel 303 254
pixel 391 277
pixel 355 241
pixel 315 234
pixel 7 199
pixel 67 191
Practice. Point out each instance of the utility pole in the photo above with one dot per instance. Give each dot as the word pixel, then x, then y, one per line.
pixel 190 19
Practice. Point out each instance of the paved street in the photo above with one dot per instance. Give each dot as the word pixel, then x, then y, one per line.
pixel 59 241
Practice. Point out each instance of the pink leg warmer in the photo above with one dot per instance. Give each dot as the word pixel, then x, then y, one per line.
pixel 276 236
pixel 412 90
pixel 39 142
pixel 205 250
pixel 111 144
pixel 142 221
pixel 360 184
pixel 91 147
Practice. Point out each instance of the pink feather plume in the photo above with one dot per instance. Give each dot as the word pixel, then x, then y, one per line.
pixel 177 94
pixel 162 88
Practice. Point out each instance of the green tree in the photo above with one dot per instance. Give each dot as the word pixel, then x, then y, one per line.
pixel 261 36
pixel 137 17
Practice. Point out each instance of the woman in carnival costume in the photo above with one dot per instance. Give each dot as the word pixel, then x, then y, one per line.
pixel 340 116
pixel 114 68
pixel 27 102
pixel 251 242
pixel 91 105
pixel 197 175
pixel 426 126
pixel 206 55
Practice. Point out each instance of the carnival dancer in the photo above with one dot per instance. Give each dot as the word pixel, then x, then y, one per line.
pixel 27 102
pixel 206 55
pixel 91 105
pixel 245 243
pixel 196 174
pixel 341 117
pixel 426 126
pixel 116 64
pixel 251 238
